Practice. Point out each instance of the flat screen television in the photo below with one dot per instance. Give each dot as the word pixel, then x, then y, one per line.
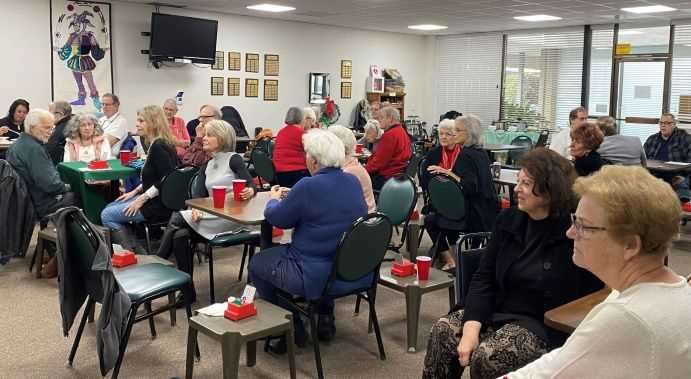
pixel 177 37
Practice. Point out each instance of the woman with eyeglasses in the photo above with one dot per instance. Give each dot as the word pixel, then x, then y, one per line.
pixel 642 328
pixel 525 271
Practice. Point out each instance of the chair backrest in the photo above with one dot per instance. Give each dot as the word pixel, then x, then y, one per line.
pixel 171 195
pixel 362 248
pixel 470 250
pixel 413 165
pixel 83 243
pixel 397 199
pixel 446 196
pixel 516 155
pixel 421 178
pixel 263 165
pixel 192 186
pixel 542 139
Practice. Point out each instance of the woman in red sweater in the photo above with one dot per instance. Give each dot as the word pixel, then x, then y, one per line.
pixel 288 154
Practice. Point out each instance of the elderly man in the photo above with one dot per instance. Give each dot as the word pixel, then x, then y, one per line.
pixel 31 161
pixel 62 111
pixel 114 125
pixel 618 149
pixel 393 151
pixel 562 140
pixel 670 143
pixel 195 154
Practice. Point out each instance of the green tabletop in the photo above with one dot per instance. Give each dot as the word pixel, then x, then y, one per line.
pixel 505 138
pixel 92 196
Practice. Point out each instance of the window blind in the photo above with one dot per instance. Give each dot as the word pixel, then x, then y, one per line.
pixel 680 103
pixel 600 71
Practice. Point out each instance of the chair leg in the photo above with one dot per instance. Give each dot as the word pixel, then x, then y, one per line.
pixel 171 302
pixel 317 354
pixel 38 256
pixel 148 239
pixel 242 262
pixel 125 340
pixel 80 330
pixel 210 255
pixel 152 322
pixel 357 305
pixel 375 323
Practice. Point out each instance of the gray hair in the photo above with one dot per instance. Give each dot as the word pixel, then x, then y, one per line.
pixel 63 107
pixel 294 116
pixel 346 136
pixel 214 109
pixel 392 112
pixel 171 102
pixel 324 147
pixel 674 119
pixel 35 116
pixel 309 113
pixel 446 124
pixel 473 126
pixel 72 128
pixel 224 133
pixel 114 97
pixel 374 125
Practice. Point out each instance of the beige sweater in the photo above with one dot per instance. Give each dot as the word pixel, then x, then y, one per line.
pixel 353 167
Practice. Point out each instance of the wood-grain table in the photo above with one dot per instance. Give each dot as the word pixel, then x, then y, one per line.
pixel 567 317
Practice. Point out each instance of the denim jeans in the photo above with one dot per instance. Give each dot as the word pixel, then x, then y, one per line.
pixel 113 216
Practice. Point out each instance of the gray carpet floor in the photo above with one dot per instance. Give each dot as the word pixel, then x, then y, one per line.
pixel 32 344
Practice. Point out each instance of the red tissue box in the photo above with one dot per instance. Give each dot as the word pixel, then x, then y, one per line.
pixel 124 258
pixel 238 311
pixel 276 232
pixel 404 269
pixel 98 165
pixel 686 207
pixel 414 215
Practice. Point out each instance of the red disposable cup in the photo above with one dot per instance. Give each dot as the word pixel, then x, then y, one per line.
pixel 125 156
pixel 358 148
pixel 219 195
pixel 423 265
pixel 238 186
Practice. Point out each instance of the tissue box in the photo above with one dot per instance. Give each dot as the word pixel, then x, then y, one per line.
pixel 98 165
pixel 237 311
pixel 124 258
pixel 404 269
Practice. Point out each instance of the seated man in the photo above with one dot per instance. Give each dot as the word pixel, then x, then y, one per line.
pixel 393 150
pixel 670 144
pixel 114 124
pixel 561 141
pixel 618 149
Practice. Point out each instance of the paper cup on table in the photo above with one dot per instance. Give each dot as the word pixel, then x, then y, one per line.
pixel 238 186
pixel 358 148
pixel 423 265
pixel 219 195
pixel 125 157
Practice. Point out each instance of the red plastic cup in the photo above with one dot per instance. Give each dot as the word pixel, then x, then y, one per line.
pixel 358 148
pixel 125 157
pixel 423 265
pixel 238 186
pixel 219 195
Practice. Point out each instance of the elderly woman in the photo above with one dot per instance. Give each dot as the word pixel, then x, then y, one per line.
pixel 310 119
pixel 225 166
pixel 373 133
pixel 585 140
pixel 12 125
pixel 85 141
pixel 642 328
pixel 177 126
pixel 289 154
pixel 143 203
pixel 352 166
pixel 461 158
pixel 525 271
pixel 303 267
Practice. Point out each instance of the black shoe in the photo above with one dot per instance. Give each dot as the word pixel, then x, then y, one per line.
pixel 180 300
pixel 326 328
pixel 279 346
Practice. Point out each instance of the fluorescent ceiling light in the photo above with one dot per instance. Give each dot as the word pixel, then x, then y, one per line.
pixel 630 32
pixel 270 8
pixel 537 17
pixel 428 27
pixel 649 9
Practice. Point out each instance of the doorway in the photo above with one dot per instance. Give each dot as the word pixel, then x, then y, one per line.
pixel 641 92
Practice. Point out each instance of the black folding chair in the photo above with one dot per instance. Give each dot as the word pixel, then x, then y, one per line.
pixel 469 252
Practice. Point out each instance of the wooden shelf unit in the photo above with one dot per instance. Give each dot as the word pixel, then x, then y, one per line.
pixel 397 100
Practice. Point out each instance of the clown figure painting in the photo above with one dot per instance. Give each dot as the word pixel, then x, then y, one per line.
pixel 82 60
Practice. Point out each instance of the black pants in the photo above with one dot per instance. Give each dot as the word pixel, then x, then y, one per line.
pixel 378 182
pixel 289 178
pixel 177 240
pixel 436 225
pixel 68 199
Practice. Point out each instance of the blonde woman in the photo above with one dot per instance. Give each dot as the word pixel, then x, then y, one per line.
pixel 143 203
pixel 85 141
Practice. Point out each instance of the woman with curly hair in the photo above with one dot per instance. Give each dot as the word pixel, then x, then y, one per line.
pixel 585 140
pixel 85 141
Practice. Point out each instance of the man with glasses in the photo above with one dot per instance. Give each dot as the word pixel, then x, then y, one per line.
pixel 195 155
pixel 114 125
pixel 670 143
pixel 55 147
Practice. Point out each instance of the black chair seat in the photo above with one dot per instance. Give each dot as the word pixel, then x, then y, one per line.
pixel 235 239
pixel 150 280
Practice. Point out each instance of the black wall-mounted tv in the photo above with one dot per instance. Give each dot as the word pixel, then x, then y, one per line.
pixel 177 37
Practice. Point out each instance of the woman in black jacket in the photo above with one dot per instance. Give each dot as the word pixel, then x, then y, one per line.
pixel 585 140
pixel 461 158
pixel 143 203
pixel 12 125
pixel 526 271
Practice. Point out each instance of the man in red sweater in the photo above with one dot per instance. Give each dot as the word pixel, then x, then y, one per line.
pixel 393 150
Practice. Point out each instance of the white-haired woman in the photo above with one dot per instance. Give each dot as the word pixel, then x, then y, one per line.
pixel 373 133
pixel 352 166
pixel 177 126
pixel 309 120
pixel 303 267
pixel 225 166
pixel 463 160
pixel 85 141
pixel 642 328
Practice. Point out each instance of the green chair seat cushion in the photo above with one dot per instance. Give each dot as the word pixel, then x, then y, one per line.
pixel 150 279
pixel 235 239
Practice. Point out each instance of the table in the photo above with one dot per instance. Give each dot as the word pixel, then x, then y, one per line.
pixel 509 178
pixel 269 321
pixel 4 146
pixel 413 291
pixel 250 212
pixel 506 137
pixel 502 147
pixel 567 317
pixel 76 174
pixel 668 167
pixel 362 157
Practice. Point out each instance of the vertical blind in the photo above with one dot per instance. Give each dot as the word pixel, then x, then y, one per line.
pixel 680 103
pixel 469 75
pixel 543 76
pixel 600 71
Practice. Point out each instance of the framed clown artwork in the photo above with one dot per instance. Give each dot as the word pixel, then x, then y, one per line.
pixel 81 64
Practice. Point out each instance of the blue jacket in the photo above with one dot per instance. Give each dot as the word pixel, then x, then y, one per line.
pixel 319 209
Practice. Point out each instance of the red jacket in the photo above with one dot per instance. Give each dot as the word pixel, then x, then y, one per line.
pixel 392 154
pixel 288 154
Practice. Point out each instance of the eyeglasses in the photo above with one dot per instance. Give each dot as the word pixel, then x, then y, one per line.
pixel 201 116
pixel 584 231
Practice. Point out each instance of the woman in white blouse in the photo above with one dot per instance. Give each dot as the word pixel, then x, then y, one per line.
pixel 85 141
pixel 622 231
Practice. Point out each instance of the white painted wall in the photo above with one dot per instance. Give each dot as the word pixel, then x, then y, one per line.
pixel 302 47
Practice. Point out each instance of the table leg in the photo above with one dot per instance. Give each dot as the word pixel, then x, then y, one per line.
pixel 265 239
pixel 291 351
pixel 251 353
pixel 452 296
pixel 412 304
pixel 191 346
pixel 230 349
